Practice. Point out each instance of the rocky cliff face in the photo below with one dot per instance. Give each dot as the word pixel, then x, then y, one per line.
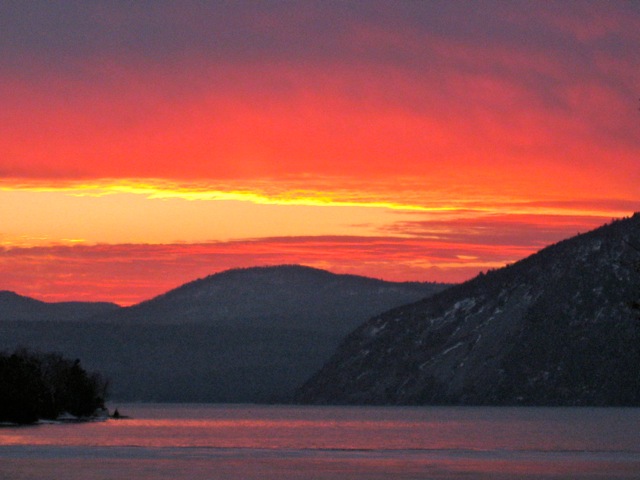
pixel 556 328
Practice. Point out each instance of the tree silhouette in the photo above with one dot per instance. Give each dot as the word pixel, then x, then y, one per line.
pixel 44 386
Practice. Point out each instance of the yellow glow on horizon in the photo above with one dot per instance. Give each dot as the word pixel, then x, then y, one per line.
pixel 396 196
pixel 46 216
pixel 158 189
pixel 155 211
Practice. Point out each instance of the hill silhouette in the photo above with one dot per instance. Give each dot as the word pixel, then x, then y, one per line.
pixel 556 328
pixel 246 335
pixel 18 307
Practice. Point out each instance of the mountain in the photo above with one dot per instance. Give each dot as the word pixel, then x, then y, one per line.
pixel 16 307
pixel 557 328
pixel 288 296
pixel 246 335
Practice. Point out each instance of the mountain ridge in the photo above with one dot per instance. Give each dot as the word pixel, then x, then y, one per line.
pixel 243 335
pixel 14 306
pixel 555 328
pixel 271 295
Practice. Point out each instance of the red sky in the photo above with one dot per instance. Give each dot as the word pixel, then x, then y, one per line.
pixel 143 146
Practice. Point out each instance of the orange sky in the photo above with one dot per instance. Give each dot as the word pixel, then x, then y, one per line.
pixel 144 146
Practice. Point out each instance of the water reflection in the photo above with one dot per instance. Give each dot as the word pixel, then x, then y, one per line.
pixel 290 442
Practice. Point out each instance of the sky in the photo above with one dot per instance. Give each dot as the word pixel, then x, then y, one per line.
pixel 147 144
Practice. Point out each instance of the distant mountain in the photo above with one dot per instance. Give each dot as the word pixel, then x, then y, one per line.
pixel 557 328
pixel 247 335
pixel 17 307
pixel 290 296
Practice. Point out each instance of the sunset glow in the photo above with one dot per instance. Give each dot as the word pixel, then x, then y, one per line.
pixel 145 146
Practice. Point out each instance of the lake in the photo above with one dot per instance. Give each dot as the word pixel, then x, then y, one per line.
pixel 163 441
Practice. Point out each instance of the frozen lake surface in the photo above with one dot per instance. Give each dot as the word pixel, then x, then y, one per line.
pixel 162 441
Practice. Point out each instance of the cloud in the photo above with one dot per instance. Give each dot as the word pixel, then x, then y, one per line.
pixel 496 231
pixel 374 89
pixel 501 126
pixel 131 273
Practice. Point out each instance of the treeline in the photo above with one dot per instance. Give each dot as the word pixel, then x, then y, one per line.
pixel 37 386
